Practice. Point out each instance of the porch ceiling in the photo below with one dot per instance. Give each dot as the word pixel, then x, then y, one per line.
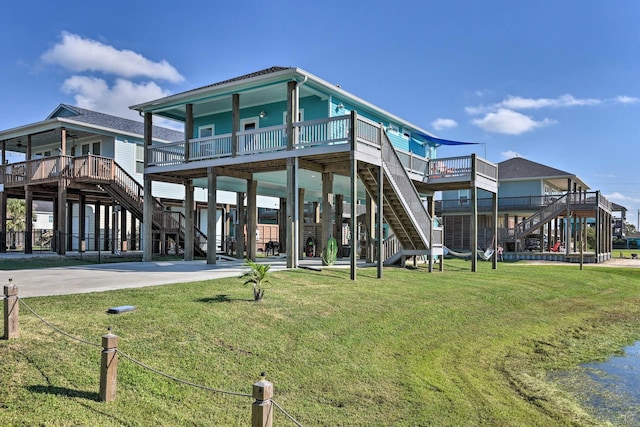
pixel 272 176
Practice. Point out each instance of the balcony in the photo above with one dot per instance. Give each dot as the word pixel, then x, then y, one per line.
pixel 331 138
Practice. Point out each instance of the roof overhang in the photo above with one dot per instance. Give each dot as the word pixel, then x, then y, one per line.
pixel 263 89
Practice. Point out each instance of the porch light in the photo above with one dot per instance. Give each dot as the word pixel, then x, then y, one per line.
pixel 263 114
pixel 340 106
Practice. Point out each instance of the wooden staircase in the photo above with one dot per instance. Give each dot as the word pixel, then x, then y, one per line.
pixel 122 187
pixel 403 209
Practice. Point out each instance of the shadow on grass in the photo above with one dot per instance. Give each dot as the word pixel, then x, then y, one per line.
pixel 63 391
pixel 221 298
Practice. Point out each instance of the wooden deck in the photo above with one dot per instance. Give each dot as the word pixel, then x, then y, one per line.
pixel 319 145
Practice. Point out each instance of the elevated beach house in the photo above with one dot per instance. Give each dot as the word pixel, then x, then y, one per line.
pixel 89 167
pixel 285 133
pixel 543 213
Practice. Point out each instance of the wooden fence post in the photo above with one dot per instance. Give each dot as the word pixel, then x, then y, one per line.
pixel 262 408
pixel 11 308
pixel 109 367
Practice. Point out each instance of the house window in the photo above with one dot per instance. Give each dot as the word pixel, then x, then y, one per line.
pixel 50 219
pixel 249 124
pixel 139 158
pixel 91 148
pixel 206 131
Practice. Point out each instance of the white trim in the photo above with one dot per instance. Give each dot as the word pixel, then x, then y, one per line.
pixel 201 128
pixel 244 122
pixel 300 116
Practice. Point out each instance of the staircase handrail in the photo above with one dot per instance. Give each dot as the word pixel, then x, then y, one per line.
pixel 539 218
pixel 399 178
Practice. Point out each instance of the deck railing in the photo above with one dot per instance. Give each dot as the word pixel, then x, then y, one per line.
pixel 312 133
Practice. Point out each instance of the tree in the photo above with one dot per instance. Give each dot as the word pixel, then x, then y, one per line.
pixel 629 229
pixel 16 218
pixel 257 276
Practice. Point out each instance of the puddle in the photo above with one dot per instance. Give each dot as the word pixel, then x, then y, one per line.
pixel 611 388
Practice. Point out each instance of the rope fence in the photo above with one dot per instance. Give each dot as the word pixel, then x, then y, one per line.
pixel 261 413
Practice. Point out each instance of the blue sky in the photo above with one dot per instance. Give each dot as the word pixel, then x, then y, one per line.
pixel 556 82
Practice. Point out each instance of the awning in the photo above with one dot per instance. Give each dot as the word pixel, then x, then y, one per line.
pixel 439 141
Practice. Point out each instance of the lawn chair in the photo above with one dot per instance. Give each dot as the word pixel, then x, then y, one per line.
pixel 556 247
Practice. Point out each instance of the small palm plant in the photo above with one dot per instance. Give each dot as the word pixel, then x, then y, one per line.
pixel 257 276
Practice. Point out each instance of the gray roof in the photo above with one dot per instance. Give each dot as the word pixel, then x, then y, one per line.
pixel 113 122
pixel 519 168
pixel 269 70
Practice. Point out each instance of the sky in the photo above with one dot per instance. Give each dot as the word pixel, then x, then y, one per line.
pixel 555 82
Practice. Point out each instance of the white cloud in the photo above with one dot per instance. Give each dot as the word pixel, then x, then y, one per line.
pixel 510 154
pixel 509 122
pixel 519 103
pixel 95 94
pixel 79 54
pixel 440 124
pixel 617 196
pixel 622 99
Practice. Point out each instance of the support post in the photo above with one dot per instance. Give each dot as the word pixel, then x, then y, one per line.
pixel 11 309
pixel 354 196
pixel 293 236
pixel 240 225
pixel 109 368
pixel 147 203
pixel 262 408
pixel 212 213
pixel 494 258
pixel 301 241
pixel 28 232
pixel 252 219
pixel 380 221
pixel 189 220
pixel 327 214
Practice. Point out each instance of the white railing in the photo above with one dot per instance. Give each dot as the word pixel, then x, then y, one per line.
pixel 262 140
pixel 334 130
pixel 452 167
pixel 414 164
pixel 368 132
pixel 172 153
pixel 210 147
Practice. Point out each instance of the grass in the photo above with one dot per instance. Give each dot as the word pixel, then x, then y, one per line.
pixel 413 349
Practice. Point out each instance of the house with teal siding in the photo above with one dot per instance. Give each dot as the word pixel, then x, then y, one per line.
pixel 341 167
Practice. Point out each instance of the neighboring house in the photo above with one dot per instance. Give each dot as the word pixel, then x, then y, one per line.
pixel 88 166
pixel 540 209
pixel 285 133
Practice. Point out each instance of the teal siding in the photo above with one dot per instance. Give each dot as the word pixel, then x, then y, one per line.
pixel 314 108
pixel 398 141
pixel 520 188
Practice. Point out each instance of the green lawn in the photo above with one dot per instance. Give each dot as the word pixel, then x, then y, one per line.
pixel 414 349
